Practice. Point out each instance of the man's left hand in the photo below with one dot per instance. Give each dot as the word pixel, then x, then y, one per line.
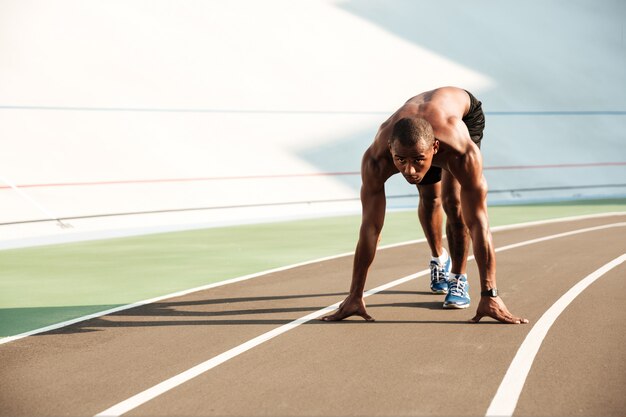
pixel 494 307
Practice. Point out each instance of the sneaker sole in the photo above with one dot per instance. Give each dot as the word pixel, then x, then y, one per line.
pixel 457 306
pixel 438 291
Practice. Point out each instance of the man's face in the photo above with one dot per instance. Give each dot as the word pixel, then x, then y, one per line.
pixel 413 162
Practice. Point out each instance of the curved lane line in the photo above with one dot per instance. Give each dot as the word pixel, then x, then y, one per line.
pixel 505 400
pixel 171 383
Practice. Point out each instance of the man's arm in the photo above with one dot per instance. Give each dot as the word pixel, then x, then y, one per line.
pixel 468 171
pixel 374 204
pixel 474 208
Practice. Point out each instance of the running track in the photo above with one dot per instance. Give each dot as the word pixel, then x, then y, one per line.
pixel 416 359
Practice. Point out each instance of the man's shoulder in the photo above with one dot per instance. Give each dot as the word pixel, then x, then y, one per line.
pixel 466 165
pixel 376 166
pixel 373 159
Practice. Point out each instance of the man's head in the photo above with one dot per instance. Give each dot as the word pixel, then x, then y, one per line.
pixel 412 146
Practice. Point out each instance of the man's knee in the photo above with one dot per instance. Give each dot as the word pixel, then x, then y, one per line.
pixel 430 196
pixel 452 207
pixel 431 203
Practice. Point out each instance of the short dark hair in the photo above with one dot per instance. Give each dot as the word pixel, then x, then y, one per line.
pixel 411 130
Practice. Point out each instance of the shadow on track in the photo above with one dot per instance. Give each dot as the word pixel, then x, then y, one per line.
pixel 181 313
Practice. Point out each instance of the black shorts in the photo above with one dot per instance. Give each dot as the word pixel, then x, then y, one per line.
pixel 475 122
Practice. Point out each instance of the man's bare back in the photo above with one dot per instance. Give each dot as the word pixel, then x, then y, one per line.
pixel 444 109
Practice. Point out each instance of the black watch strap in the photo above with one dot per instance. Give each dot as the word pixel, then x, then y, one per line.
pixel 493 292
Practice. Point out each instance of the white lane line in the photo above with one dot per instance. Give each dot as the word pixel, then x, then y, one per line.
pixel 155 391
pixel 505 400
pixel 161 388
pixel 271 271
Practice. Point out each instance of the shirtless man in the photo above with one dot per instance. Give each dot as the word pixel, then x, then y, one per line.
pixel 433 140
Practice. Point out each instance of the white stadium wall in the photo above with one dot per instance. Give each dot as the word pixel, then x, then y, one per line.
pixel 212 112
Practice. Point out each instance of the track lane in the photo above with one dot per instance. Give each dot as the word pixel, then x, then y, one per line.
pixel 580 369
pixel 417 359
pixel 102 361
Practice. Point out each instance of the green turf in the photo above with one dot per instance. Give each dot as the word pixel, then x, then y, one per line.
pixel 19 320
pixel 49 284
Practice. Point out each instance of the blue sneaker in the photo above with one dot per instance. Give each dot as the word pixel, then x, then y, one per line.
pixel 458 296
pixel 439 276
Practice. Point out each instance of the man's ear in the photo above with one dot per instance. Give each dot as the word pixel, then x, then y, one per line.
pixel 435 146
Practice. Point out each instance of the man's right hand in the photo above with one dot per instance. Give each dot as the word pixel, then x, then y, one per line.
pixel 351 306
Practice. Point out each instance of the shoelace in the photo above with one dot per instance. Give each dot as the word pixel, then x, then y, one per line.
pixel 437 272
pixel 457 287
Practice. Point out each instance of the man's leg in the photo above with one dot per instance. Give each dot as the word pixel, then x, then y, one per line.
pixel 456 231
pixel 458 242
pixel 430 214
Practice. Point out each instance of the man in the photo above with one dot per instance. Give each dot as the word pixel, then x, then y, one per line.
pixel 433 140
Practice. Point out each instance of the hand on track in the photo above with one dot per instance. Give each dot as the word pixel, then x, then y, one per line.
pixel 351 306
pixel 494 307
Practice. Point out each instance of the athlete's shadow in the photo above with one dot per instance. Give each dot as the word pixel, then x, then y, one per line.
pixel 197 312
pixel 224 306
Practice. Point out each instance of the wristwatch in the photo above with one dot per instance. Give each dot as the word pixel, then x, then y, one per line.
pixel 493 292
